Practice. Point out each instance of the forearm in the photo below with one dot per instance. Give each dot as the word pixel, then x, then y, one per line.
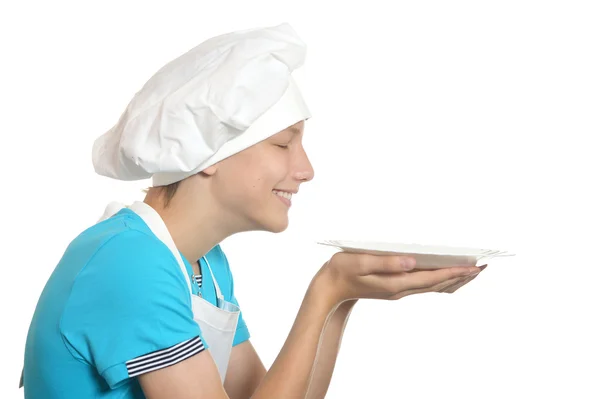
pixel 328 350
pixel 289 376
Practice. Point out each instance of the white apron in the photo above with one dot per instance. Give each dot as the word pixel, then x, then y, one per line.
pixel 217 323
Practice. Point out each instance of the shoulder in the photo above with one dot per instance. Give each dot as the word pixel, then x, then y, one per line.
pixel 130 274
pixel 134 246
pixel 121 237
pixel 126 265
pixel 130 256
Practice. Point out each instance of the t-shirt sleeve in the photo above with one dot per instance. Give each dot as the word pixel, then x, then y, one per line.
pixel 129 311
pixel 242 333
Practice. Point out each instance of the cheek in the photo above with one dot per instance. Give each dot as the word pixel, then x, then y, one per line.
pixel 265 176
pixel 252 176
pixel 260 182
pixel 247 185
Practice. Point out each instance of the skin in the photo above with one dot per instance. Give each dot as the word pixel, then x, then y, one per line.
pixel 236 195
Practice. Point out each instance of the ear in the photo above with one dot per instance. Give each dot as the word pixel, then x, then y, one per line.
pixel 211 170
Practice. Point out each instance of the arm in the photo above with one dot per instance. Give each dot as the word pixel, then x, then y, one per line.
pixel 289 376
pixel 246 370
pixel 345 276
pixel 328 350
pixel 193 378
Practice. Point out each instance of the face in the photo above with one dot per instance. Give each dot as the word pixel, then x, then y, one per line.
pixel 256 185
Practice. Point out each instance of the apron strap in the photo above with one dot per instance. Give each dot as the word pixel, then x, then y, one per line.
pixel 112 209
pixel 219 294
pixel 158 227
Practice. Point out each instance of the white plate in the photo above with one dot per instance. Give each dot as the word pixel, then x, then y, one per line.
pixel 427 256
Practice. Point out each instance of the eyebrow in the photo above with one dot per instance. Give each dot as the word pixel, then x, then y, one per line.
pixel 295 130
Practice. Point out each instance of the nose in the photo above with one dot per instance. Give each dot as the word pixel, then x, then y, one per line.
pixel 304 171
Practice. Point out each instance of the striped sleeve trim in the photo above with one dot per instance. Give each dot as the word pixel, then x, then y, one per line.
pixel 164 358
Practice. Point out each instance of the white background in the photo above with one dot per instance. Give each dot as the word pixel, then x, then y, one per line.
pixel 468 123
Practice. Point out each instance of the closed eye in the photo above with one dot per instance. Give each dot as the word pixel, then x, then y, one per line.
pixel 282 146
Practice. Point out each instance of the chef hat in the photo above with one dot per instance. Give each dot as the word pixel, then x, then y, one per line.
pixel 221 97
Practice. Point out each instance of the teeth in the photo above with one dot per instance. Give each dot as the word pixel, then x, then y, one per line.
pixel 283 194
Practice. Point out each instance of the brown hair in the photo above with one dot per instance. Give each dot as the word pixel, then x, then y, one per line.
pixel 167 192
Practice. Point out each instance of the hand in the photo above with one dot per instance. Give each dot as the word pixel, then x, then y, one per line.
pixel 464 281
pixel 348 276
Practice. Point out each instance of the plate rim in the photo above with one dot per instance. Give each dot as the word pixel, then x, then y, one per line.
pixel 363 245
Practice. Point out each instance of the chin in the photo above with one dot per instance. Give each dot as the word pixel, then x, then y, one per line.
pixel 271 218
pixel 277 226
pixel 273 222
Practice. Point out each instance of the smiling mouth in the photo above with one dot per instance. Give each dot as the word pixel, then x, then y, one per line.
pixel 283 194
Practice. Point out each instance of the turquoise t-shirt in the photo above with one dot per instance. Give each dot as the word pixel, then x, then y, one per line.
pixel 116 306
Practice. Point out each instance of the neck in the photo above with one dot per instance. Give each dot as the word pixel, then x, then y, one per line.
pixel 195 229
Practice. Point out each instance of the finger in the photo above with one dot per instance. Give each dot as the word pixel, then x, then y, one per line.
pixel 393 284
pixel 380 264
pixel 455 287
pixel 447 284
pixel 418 269
pixel 434 288
pixel 406 293
pixel 430 278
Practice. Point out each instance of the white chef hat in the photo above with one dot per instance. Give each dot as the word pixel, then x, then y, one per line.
pixel 223 96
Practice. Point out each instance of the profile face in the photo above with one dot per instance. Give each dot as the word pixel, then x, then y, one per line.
pixel 256 185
